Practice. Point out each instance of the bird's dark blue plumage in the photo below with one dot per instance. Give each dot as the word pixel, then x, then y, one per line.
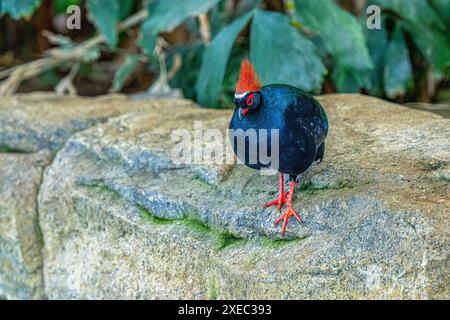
pixel 300 119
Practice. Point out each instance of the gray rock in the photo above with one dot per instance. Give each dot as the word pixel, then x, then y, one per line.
pixel 31 122
pixel 122 219
pixel 20 236
pixel 32 128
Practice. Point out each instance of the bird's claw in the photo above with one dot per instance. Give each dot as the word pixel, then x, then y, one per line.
pixel 285 217
pixel 280 201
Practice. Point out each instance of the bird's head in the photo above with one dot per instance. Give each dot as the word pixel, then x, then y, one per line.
pixel 247 96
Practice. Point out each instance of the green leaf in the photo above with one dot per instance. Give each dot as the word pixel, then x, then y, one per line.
pixel 126 8
pixel 62 5
pixel 442 7
pixel 416 11
pixel 215 60
pixel 165 15
pixel 124 71
pixel 434 45
pixel 186 77
pixel 281 54
pixel 397 70
pixel 343 38
pixel 105 15
pixel 377 42
pixel 425 27
pixel 18 8
pixel 238 53
pixel 347 79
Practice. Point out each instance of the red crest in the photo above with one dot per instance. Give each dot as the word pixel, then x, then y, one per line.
pixel 248 79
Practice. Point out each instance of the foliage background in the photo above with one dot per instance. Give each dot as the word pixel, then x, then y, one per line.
pixel 321 46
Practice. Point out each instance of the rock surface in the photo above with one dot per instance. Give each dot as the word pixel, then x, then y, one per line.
pixel 20 237
pixel 32 128
pixel 121 219
pixel 32 122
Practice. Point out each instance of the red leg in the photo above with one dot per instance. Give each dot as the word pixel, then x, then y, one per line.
pixel 281 200
pixel 289 211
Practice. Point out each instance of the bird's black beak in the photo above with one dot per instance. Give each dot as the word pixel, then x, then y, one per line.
pixel 242 113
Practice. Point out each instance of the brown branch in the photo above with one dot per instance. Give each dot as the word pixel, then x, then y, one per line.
pixel 66 84
pixel 205 30
pixel 57 57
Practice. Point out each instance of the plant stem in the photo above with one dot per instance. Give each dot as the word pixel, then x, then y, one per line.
pixel 28 70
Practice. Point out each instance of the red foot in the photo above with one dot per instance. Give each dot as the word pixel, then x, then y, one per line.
pixel 285 217
pixel 280 201
pixel 289 211
pixel 282 196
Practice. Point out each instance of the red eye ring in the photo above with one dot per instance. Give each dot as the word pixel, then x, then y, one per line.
pixel 249 100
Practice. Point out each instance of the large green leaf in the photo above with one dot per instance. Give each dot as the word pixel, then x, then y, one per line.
pixel 442 8
pixel 165 15
pixel 18 8
pixel 215 61
pixel 377 42
pixel 415 11
pixel 126 7
pixel 105 15
pixel 434 45
pixel 426 28
pixel 347 79
pixel 281 54
pixel 397 70
pixel 343 38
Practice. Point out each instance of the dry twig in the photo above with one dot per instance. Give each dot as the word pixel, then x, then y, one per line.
pixel 66 83
pixel 17 74
pixel 205 30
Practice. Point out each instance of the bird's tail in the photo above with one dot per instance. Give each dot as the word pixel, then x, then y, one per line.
pixel 320 152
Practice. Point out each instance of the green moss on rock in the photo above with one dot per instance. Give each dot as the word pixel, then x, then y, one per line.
pixel 225 239
pixel 151 218
pixel 8 149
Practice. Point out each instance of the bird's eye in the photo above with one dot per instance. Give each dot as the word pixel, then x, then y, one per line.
pixel 249 100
